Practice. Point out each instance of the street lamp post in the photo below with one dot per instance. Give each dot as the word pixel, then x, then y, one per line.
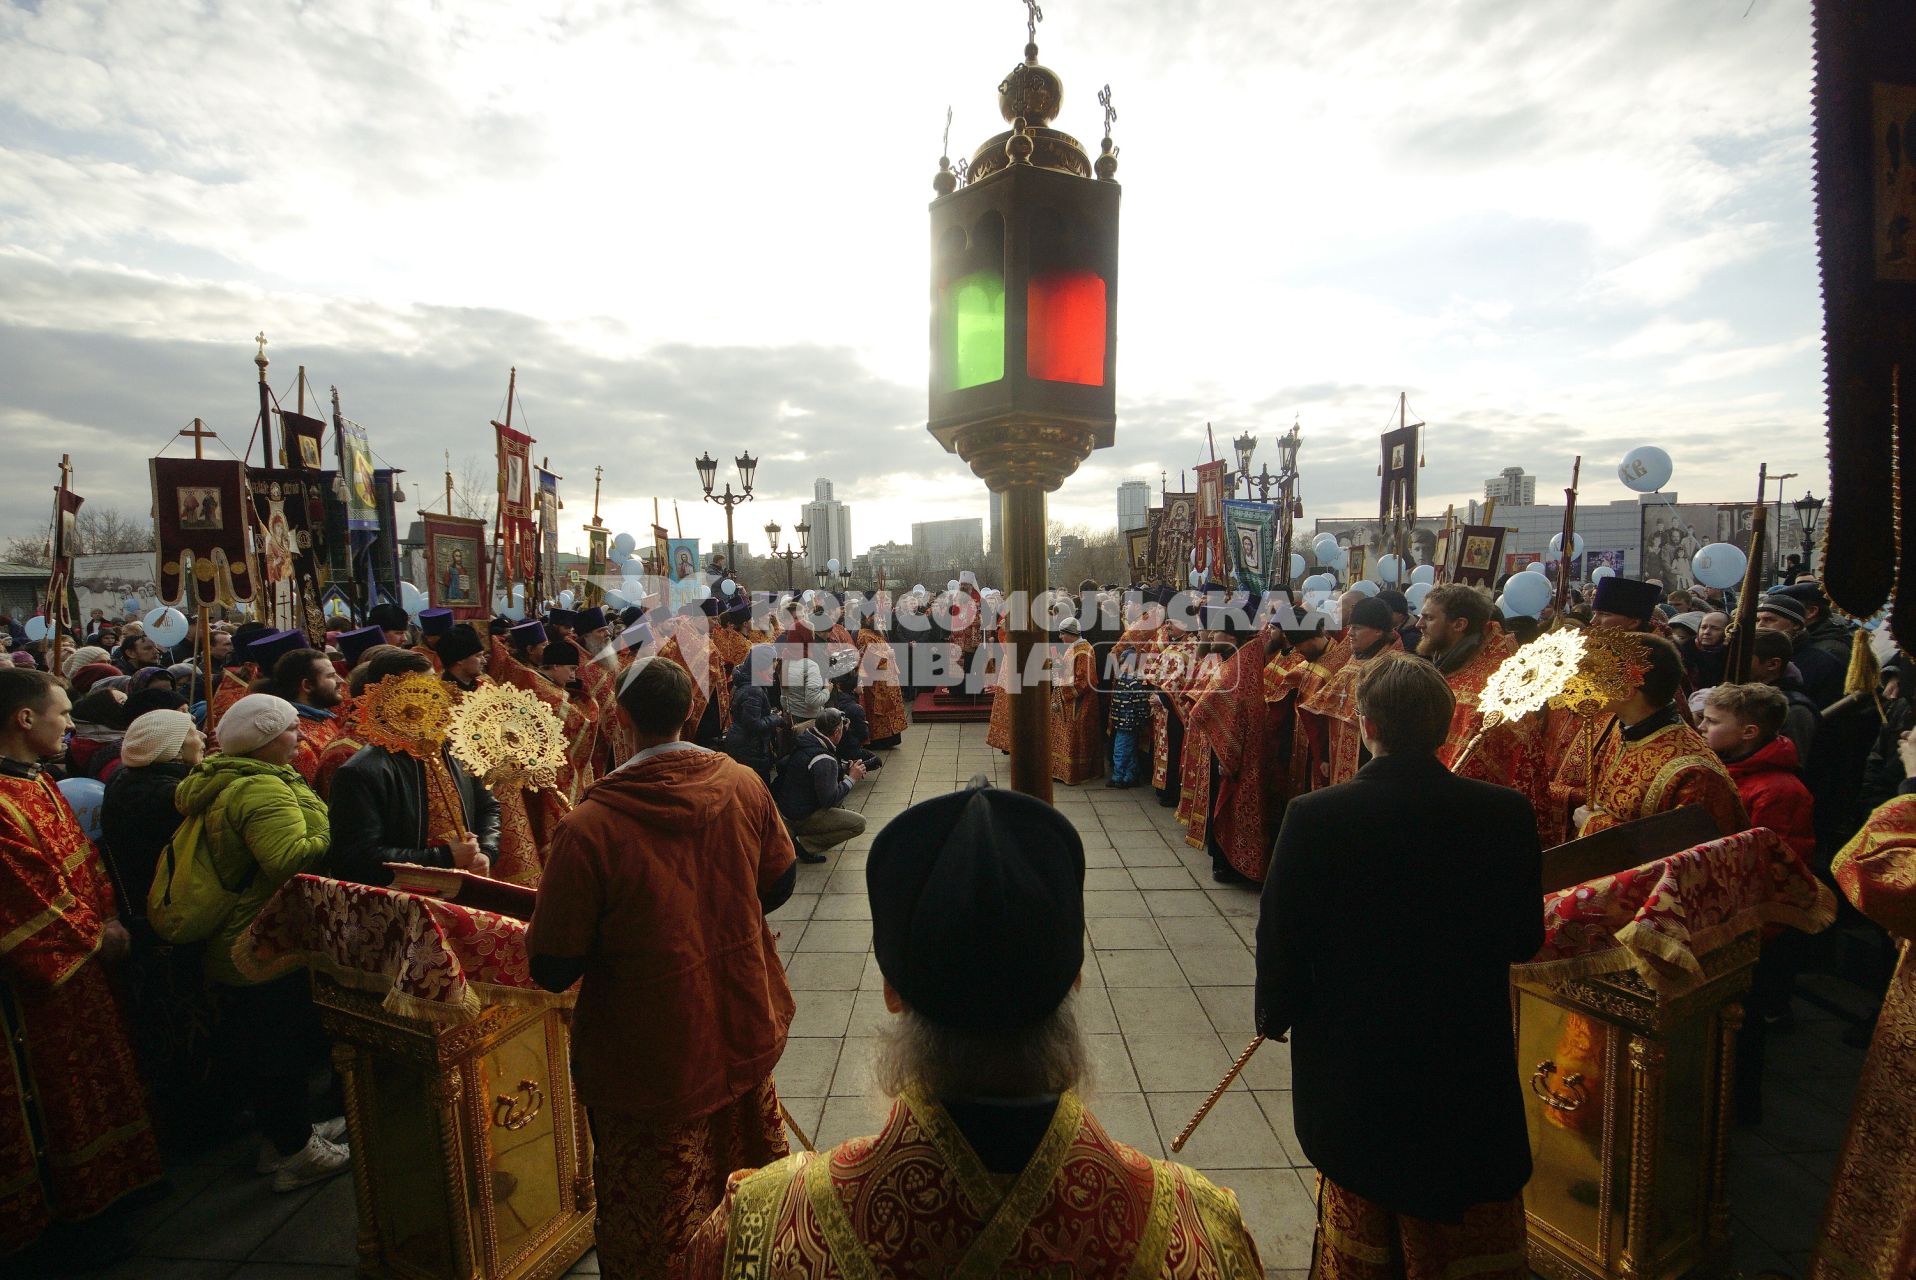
pixel 791 553
pixel 1244 445
pixel 1809 510
pixel 1287 505
pixel 1263 482
pixel 708 472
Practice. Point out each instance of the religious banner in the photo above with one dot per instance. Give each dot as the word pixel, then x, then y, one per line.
pixel 1250 534
pixel 549 505
pixel 1138 553
pixel 200 533
pixel 598 564
pixel 518 536
pixel 1208 535
pixel 682 559
pixel 1480 550
pixel 455 564
pixel 288 506
pixel 356 466
pixel 1398 471
pixel 304 439
pixel 382 557
pixel 66 540
pixel 1175 532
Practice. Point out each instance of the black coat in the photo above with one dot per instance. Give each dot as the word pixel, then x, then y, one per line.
pixel 753 735
pixel 1394 907
pixel 137 819
pixel 378 814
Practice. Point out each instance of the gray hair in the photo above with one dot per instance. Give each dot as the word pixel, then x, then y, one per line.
pixel 943 1062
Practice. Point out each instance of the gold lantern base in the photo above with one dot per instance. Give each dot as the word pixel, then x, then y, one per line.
pixel 1629 1098
pixel 470 1156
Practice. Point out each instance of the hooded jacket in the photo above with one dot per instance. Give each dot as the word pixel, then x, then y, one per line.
pixel 137 818
pixel 655 880
pixel 260 820
pixel 1773 792
pixel 753 734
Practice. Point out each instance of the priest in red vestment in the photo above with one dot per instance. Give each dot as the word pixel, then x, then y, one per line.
pixel 237 676
pixel 74 1134
pixel 1467 648
pixel 1077 721
pixel 990 1163
pixel 1249 764
pixel 1329 715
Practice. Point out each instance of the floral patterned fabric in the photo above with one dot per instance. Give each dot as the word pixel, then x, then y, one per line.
pixel 1661 918
pixel 431 959
pixel 1358 1239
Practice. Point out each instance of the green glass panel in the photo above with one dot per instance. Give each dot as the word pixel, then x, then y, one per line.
pixel 975 309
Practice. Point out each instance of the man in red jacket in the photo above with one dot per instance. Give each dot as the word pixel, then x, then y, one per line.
pixel 655 892
pixel 1743 725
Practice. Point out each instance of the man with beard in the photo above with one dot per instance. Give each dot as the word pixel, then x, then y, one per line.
pixel 306 678
pixel 392 620
pixel 1467 650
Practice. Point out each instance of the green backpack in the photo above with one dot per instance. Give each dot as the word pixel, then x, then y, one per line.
pixel 191 898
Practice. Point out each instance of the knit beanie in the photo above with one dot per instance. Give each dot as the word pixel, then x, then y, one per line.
pixel 155 738
pixel 85 677
pixel 254 721
pixel 84 656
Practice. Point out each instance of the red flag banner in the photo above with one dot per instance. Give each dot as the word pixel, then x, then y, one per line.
pixel 1209 533
pixel 517 533
pixel 304 439
pixel 200 519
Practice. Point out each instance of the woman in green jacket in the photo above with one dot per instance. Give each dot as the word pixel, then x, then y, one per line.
pixel 263 825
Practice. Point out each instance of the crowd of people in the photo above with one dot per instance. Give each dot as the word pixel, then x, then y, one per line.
pixel 711 746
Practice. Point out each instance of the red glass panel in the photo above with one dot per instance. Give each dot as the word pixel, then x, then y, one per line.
pixel 1065 341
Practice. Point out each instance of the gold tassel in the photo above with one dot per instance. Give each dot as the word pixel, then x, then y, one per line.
pixel 1864 670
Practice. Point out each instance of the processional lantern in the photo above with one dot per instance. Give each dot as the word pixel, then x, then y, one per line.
pixel 1024 325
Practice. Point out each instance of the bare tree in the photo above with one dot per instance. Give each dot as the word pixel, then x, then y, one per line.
pixel 477 490
pixel 97 531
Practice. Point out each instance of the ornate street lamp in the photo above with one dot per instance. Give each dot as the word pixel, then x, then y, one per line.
pixel 1809 510
pixel 1288 506
pixel 790 554
pixel 1024 327
pixel 708 473
pixel 1245 445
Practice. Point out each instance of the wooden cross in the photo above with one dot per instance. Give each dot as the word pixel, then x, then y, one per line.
pixel 66 472
pixel 200 435
pixel 1033 16
pixel 598 473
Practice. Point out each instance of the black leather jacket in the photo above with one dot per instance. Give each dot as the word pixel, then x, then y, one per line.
pixel 378 814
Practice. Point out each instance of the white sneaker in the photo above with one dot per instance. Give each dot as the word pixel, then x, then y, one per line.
pixel 319 1161
pixel 270 1159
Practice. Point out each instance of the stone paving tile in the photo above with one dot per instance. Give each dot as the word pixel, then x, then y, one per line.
pixel 1114 902
pixel 837 935
pixel 844 906
pixel 1280 1213
pixel 806 1066
pixel 1216 966
pixel 825 971
pixel 1140 968
pixel 1234 1136
pixel 1111 933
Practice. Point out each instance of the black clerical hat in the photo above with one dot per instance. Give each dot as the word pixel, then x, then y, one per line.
pixel 458 644
pixel 977 904
pixel 1628 598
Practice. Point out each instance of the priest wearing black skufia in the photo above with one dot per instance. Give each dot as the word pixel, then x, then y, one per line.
pixel 977 902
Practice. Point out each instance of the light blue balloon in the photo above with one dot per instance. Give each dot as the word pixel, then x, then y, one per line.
pixel 1324 546
pixel 166 627
pixel 1601 572
pixel 1528 592
pixel 1423 575
pixel 411 599
pixel 1645 469
pixel 1556 545
pixel 1298 565
pixel 1387 569
pixel 1365 588
pixel 622 546
pixel 86 795
pixel 1339 559
pixel 1416 592
pixel 1721 564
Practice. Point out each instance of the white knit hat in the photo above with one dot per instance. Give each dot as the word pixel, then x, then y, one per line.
pixel 155 738
pixel 254 721
pixel 80 657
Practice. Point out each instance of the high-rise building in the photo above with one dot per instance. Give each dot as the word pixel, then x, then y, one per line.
pixel 1512 488
pixel 831 523
pixel 1134 499
pixel 948 544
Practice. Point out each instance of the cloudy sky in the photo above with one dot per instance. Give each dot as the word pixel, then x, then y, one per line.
pixel 1559 227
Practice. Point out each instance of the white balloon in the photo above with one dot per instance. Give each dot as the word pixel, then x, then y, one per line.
pixel 1338 558
pixel 632 588
pixel 623 544
pixel 1387 568
pixel 1423 575
pixel 567 599
pixel 1528 592
pixel 36 628
pixel 1298 565
pixel 1509 610
pixel 615 600
pixel 1556 545
pixel 1721 564
pixel 728 587
pixel 952 585
pixel 167 629
pixel 1324 546
pixel 831 565
pixel 514 612
pixel 1645 469
pixel 1364 587
pixel 411 599
pixel 1416 592
pixel 1601 572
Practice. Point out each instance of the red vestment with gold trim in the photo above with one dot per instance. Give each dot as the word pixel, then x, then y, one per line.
pixel 1869 1222
pixel 1253 766
pixel 315 735
pixel 1194 760
pixel 1172 668
pixel 1510 755
pixel 232 687
pixel 432 656
pixel 1666 770
pixel 579 726
pixel 1330 716
pixel 878 691
pixel 916 1201
pixel 68 1061
pixel 1077 728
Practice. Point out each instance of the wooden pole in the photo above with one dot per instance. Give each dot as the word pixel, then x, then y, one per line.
pixel 1177 1143
pixel 265 405
pixel 200 437
pixel 1567 540
pixel 302 391
pixel 60 552
pixel 448 454
pixel 1736 666
pixel 1025 578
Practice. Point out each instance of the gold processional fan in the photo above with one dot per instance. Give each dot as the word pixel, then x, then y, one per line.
pixel 506 737
pixel 1576 670
pixel 411 715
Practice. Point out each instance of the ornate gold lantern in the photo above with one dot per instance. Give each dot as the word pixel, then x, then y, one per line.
pixel 1024 324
